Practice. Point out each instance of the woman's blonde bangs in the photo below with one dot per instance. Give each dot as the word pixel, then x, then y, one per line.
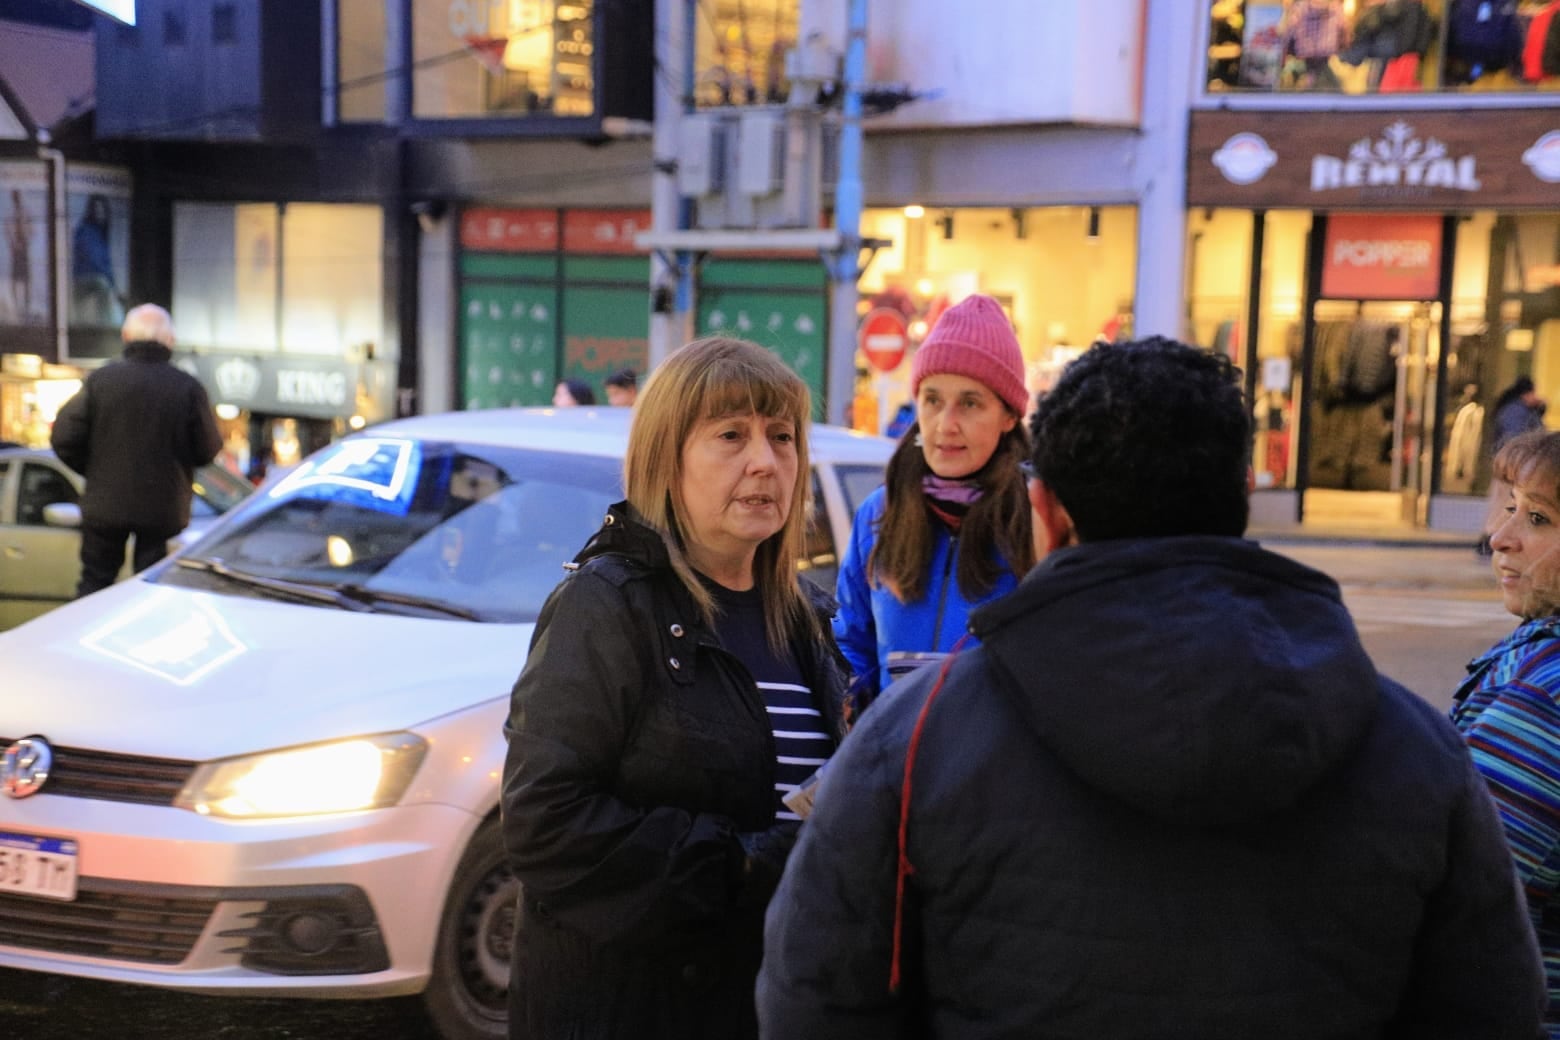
pixel 708 379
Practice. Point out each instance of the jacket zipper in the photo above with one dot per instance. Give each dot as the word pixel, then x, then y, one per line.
pixel 942 598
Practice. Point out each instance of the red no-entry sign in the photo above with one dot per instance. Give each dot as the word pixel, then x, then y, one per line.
pixel 883 337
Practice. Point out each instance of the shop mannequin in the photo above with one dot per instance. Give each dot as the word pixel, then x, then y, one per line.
pixel 1388 30
pixel 1482 37
pixel 1541 52
pixel 1313 33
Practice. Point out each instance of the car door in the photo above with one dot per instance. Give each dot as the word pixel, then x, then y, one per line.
pixel 39 564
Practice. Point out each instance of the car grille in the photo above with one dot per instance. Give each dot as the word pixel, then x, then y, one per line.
pixel 296 930
pixel 81 773
pixel 104 921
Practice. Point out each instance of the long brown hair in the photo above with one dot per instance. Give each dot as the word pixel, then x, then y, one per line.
pixel 704 380
pixel 901 558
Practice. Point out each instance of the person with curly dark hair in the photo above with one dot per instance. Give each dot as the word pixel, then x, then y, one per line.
pixel 1168 794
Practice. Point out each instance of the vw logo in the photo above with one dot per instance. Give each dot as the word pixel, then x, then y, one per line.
pixel 24 768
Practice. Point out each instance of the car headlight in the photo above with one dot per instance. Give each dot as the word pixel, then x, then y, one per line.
pixel 341 776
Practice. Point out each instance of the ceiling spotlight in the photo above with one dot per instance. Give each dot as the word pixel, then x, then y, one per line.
pixel 915 212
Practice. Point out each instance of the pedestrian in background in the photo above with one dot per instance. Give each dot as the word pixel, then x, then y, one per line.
pixel 622 388
pixel 1517 410
pixel 950 529
pixel 571 392
pixel 136 430
pixel 1167 795
pixel 1508 708
pixel 680 681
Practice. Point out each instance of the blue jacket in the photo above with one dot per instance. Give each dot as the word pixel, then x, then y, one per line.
pixel 1168 796
pixel 872 622
pixel 1508 710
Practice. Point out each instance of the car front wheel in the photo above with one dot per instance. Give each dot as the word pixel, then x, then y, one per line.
pixel 468 992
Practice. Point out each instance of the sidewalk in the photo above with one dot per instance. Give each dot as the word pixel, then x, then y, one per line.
pixel 1344 534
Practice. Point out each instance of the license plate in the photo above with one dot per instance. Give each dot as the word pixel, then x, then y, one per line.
pixel 31 866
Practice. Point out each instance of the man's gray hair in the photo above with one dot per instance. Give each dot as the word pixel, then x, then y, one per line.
pixel 148 323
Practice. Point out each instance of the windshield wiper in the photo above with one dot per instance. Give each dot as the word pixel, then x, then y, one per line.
pixel 297 590
pixel 380 597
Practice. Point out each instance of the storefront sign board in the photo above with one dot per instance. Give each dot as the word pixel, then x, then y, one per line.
pixel 490 230
pixel 1402 160
pixel 604 231
pixel 311 387
pixel 1382 257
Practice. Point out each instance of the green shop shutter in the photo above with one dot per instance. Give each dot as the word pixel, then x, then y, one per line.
pixel 781 304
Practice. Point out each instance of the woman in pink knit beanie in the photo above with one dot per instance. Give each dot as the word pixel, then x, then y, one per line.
pixel 950 528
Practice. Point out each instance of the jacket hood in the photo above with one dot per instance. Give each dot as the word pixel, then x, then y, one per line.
pixel 1203 680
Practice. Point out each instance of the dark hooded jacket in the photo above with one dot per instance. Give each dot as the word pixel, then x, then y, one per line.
pixel 639 751
pixel 1169 796
pixel 137 429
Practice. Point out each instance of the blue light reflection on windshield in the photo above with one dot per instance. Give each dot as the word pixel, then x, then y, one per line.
pixel 378 473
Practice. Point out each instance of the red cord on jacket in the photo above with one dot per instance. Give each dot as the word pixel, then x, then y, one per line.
pixel 905 869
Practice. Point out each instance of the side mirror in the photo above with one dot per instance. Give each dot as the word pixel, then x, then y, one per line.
pixel 62 514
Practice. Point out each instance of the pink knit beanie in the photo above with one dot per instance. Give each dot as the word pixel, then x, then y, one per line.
pixel 974 338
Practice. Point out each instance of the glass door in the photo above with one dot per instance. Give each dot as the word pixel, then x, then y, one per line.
pixel 1372 387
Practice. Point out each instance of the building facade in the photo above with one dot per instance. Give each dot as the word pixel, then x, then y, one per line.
pixel 1373 233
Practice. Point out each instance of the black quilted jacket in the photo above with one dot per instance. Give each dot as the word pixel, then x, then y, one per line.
pixel 1168 797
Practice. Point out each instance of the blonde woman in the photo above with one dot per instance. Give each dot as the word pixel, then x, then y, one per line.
pixel 681 680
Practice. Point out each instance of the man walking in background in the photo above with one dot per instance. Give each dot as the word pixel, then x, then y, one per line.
pixel 1167 795
pixel 137 430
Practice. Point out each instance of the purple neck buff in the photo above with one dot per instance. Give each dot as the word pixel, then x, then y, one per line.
pixel 954 492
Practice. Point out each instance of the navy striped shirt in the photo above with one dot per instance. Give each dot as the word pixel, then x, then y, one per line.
pixel 802 740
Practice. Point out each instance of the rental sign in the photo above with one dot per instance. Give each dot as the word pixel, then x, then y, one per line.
pixel 1382 257
pixel 1412 162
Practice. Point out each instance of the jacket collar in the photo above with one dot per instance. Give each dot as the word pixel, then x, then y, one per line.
pixel 147 350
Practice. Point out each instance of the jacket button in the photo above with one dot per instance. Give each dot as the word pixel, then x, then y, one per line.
pixel 676 664
pixel 677 630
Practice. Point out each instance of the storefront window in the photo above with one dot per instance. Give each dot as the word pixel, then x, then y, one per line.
pixel 740 52
pixel 503 57
pixel 1065 274
pixel 302 279
pixel 362 63
pixel 1383 46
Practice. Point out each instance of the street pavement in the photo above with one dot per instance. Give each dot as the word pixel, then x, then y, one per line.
pixel 1423 611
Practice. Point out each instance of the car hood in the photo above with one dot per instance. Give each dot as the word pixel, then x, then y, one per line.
pixel 156 670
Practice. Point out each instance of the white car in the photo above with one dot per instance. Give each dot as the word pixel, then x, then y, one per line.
pixel 269 766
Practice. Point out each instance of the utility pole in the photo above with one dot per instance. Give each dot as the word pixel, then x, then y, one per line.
pixel 844 263
pixel 722 158
pixel 671 275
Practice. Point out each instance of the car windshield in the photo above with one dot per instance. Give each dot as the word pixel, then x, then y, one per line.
pixel 412 527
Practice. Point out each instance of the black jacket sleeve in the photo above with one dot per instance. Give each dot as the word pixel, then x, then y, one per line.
pixel 1477 970
pixel 611 870
pixel 72 433
pixel 203 440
